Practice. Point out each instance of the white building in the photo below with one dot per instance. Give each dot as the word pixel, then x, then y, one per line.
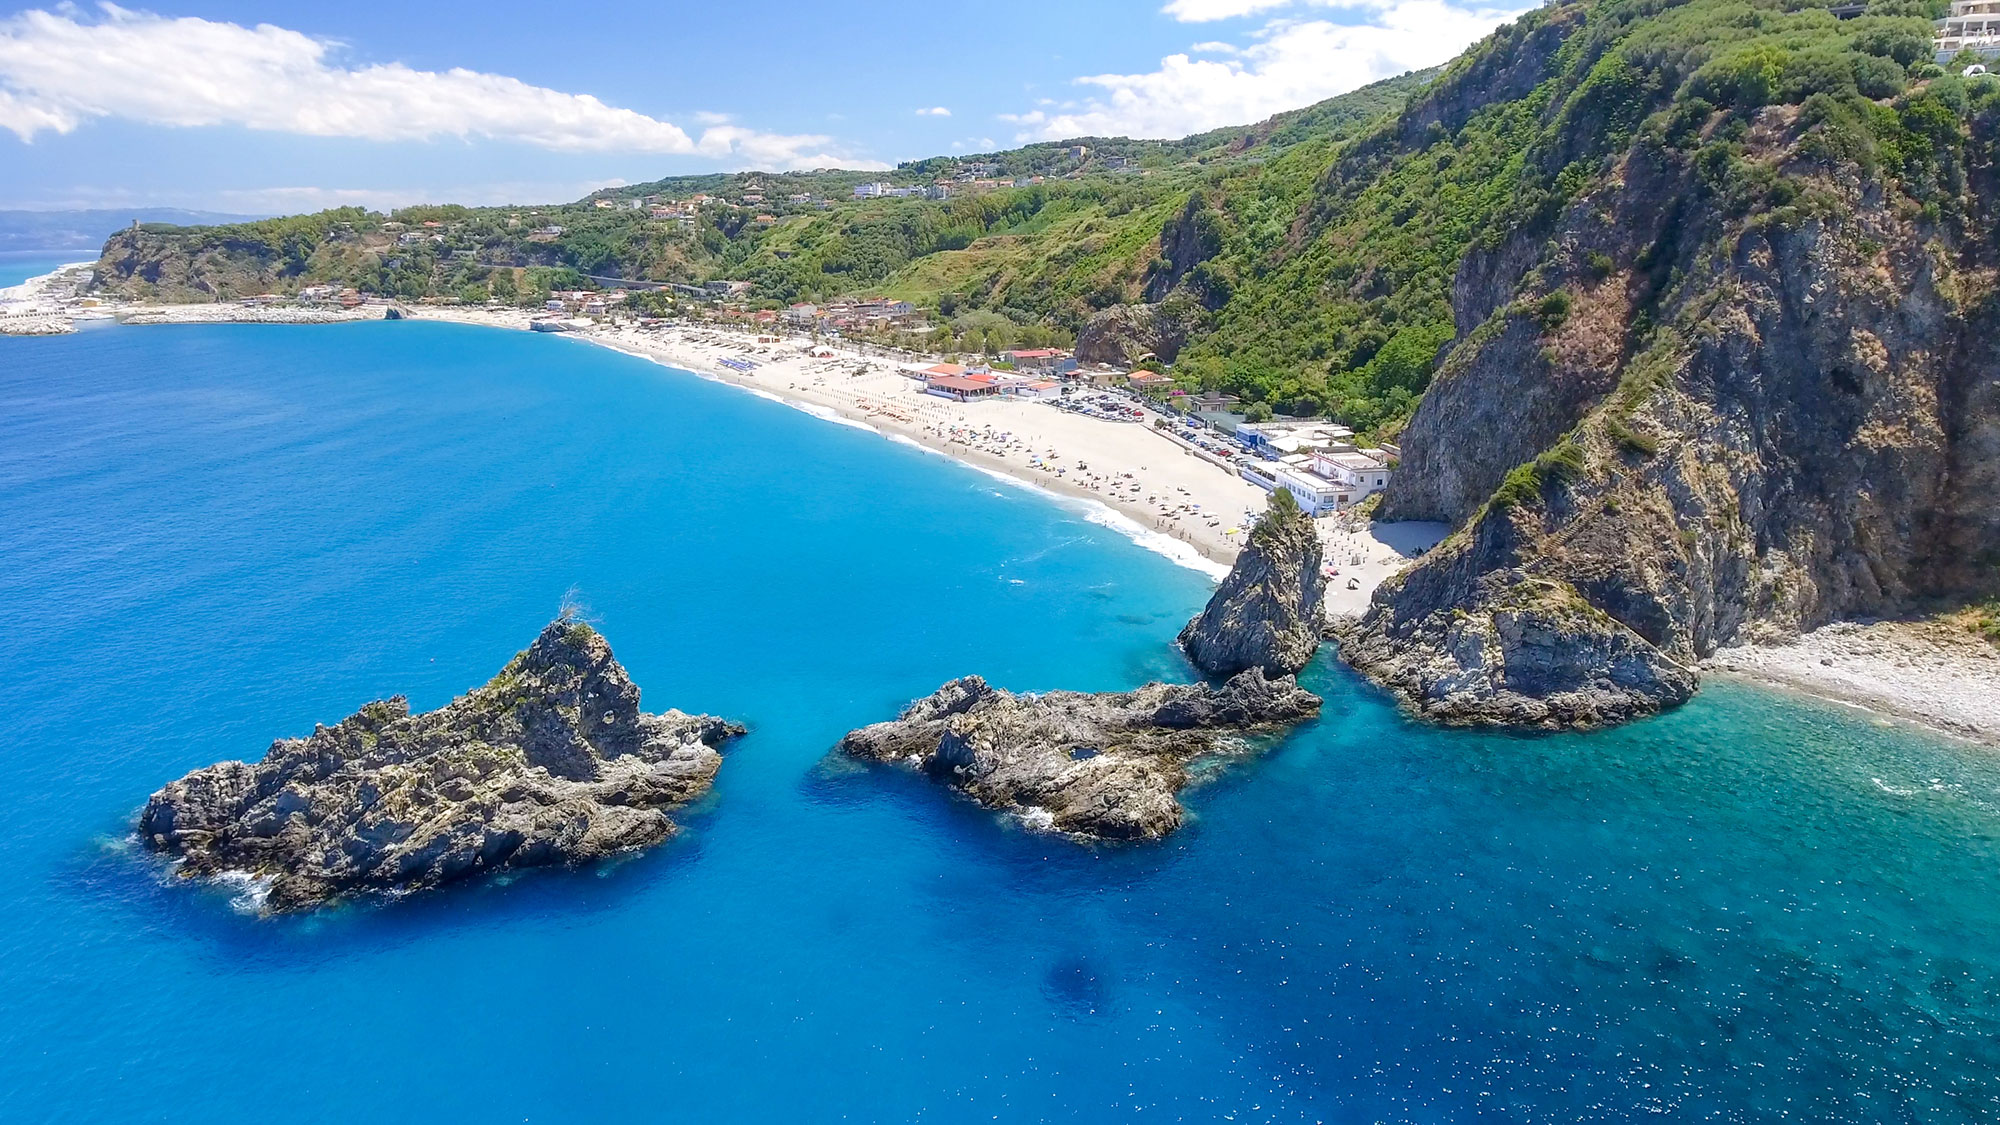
pixel 1316 496
pixel 1362 471
pixel 1277 439
pixel 1972 25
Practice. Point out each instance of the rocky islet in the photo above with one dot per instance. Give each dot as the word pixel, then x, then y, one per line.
pixel 550 763
pixel 1103 765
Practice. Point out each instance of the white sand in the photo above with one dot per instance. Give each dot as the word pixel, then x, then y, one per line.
pixel 1165 492
pixel 1930 672
pixel 1362 554
pixel 1139 480
pixel 35 307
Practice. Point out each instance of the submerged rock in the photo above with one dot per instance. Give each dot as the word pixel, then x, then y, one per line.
pixel 1266 614
pixel 551 762
pixel 1104 765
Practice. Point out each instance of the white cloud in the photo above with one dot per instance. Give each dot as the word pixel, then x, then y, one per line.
pixel 934 111
pixel 292 200
pixel 1292 63
pixel 58 70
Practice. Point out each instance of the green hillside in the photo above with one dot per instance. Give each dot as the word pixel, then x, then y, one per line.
pixel 1308 261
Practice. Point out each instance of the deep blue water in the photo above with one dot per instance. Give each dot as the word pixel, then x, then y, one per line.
pixel 1754 909
pixel 17 266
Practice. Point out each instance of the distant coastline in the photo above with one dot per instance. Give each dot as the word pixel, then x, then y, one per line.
pixel 1912 672
pixel 886 402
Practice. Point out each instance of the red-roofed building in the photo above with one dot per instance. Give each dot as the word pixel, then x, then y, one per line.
pixel 959 387
pixel 1048 360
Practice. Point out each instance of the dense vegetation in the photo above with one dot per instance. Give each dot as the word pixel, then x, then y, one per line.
pixel 1319 248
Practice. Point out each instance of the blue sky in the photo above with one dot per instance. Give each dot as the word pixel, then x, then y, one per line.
pixel 268 108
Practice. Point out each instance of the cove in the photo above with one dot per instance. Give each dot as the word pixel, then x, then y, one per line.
pixel 1755 907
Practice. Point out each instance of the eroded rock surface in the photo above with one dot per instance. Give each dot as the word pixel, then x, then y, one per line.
pixel 1266 614
pixel 551 762
pixel 1105 765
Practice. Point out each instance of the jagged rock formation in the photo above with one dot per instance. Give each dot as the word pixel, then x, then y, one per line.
pixel 1127 334
pixel 551 762
pixel 1266 614
pixel 1469 641
pixel 1180 290
pixel 1743 384
pixel 1105 765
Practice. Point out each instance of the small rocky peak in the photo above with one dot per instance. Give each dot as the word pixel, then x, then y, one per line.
pixel 566 642
pixel 1266 614
pixel 549 763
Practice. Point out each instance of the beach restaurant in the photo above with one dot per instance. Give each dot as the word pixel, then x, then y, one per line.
pixel 961 387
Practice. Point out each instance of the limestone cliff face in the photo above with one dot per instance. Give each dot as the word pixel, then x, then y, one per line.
pixel 552 762
pixel 1811 432
pixel 1266 614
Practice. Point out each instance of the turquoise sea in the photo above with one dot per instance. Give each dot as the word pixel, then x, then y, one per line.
pixel 1754 909
pixel 17 266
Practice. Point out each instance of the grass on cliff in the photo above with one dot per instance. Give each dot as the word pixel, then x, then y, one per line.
pixel 1527 484
pixel 1338 231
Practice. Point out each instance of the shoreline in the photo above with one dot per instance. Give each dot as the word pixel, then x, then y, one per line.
pixel 35 308
pixel 1021 442
pixel 1928 673
pixel 885 402
pixel 1124 476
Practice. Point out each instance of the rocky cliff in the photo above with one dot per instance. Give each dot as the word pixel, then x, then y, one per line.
pixel 1745 383
pixel 551 762
pixel 1104 766
pixel 1179 289
pixel 1266 614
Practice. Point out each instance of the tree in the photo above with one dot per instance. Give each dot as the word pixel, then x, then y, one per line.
pixel 1282 508
pixel 1259 412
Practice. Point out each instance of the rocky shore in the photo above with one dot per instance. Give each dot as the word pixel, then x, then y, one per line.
pixel 1266 613
pixel 1101 766
pixel 248 314
pixel 35 324
pixel 1928 672
pixel 549 763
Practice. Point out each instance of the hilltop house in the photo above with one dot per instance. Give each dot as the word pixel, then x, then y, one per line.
pixel 1973 25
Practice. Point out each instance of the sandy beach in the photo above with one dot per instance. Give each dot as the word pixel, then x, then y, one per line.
pixel 1928 672
pixel 1128 475
pixel 36 306
pixel 1187 508
pixel 1363 554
